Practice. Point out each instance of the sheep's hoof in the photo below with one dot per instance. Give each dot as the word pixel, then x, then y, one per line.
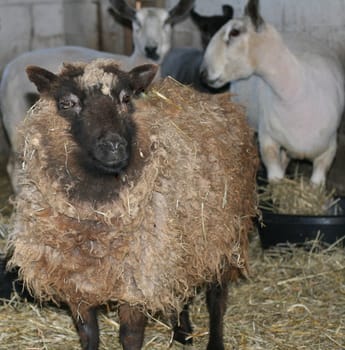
pixel 183 337
pixel 215 345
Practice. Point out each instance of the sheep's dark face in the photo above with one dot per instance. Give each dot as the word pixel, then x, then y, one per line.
pixel 100 114
pixel 102 126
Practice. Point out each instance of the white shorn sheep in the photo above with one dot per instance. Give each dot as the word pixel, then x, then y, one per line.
pixel 299 94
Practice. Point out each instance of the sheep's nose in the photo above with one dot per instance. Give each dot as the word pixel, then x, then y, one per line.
pixel 115 146
pixel 111 149
pixel 151 52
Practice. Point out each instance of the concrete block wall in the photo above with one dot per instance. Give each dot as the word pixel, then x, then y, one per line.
pixel 25 25
pixel 30 24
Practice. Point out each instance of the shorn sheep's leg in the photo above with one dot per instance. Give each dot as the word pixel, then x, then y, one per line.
pixel 272 158
pixel 132 327
pixel 322 163
pixel 182 327
pixel 216 299
pixel 284 159
pixel 88 330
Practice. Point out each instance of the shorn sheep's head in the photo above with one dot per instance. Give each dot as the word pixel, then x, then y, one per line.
pixel 152 27
pixel 96 100
pixel 230 53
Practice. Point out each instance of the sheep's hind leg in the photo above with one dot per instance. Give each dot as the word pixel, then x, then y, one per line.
pixel 216 299
pixel 272 158
pixel 132 327
pixel 182 327
pixel 322 163
pixel 88 330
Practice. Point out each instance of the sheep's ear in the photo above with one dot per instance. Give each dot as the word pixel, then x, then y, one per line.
pixel 178 13
pixel 252 11
pixel 72 70
pixel 141 77
pixel 228 11
pixel 122 9
pixel 41 77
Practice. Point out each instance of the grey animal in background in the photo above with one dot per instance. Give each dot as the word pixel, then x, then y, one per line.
pixel 183 64
pixel 152 27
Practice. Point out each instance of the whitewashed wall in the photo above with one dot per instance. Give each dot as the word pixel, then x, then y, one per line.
pixel 30 24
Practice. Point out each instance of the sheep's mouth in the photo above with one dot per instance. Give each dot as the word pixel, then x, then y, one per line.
pixel 215 83
pixel 113 165
pixel 217 89
pixel 154 56
pixel 114 168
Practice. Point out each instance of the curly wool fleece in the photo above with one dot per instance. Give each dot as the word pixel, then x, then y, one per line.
pixel 179 218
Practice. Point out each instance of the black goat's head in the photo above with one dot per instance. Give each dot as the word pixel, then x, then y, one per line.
pixel 96 99
pixel 209 25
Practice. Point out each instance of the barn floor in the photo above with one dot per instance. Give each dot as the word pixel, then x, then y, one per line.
pixel 294 300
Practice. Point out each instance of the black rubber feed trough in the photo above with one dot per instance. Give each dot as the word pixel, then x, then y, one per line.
pixel 281 229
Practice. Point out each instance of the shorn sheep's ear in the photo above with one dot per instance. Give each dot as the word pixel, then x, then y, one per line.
pixel 252 11
pixel 142 76
pixel 177 13
pixel 41 77
pixel 228 11
pixel 123 9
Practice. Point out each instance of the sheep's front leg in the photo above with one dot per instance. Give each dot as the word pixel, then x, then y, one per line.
pixel 88 330
pixel 274 160
pixel 216 299
pixel 322 163
pixel 182 327
pixel 132 327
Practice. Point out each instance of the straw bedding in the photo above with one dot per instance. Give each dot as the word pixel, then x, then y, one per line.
pixel 294 300
pixel 179 217
pixel 296 195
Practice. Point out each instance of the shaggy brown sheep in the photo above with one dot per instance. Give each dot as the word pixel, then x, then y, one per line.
pixel 142 202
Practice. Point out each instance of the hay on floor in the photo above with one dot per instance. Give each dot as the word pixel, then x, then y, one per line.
pixel 295 299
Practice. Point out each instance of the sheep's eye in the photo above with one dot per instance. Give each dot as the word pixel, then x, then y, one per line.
pixel 66 103
pixel 124 97
pixel 234 32
pixel 69 102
